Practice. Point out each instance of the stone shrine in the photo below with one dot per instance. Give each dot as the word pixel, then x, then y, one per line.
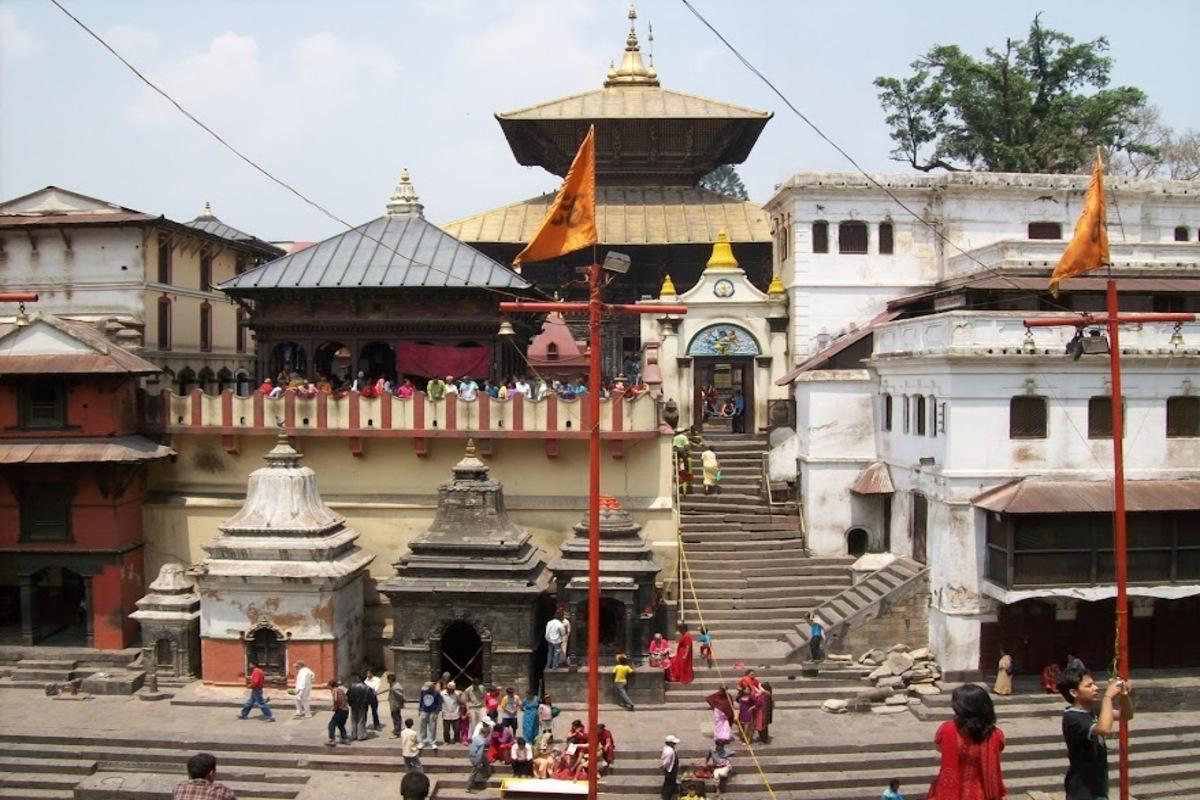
pixel 169 615
pixel 465 598
pixel 283 582
pixel 628 568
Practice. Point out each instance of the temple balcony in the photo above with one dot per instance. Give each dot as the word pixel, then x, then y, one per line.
pixel 1129 258
pixel 356 418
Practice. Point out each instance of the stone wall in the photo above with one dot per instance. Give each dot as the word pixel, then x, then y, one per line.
pixel 903 617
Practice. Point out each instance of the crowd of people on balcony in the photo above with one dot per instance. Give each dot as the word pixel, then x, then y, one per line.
pixel 436 389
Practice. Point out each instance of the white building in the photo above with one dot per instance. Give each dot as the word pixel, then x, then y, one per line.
pixel 928 426
pixel 149 280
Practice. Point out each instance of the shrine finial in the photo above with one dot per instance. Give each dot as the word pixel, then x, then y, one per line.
pixel 404 198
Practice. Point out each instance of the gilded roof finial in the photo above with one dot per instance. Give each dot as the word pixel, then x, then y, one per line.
pixel 776 287
pixel 633 71
pixel 470 448
pixel 722 253
pixel 668 288
pixel 404 198
pixel 207 212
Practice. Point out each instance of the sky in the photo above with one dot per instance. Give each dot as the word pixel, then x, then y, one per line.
pixel 337 97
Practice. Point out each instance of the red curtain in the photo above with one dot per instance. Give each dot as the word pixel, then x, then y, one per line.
pixel 440 360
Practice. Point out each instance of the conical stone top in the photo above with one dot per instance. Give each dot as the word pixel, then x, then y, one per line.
pixel 471 542
pixel 623 551
pixel 284 530
pixel 172 596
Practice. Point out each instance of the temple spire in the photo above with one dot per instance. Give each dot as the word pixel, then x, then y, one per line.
pixel 633 70
pixel 404 198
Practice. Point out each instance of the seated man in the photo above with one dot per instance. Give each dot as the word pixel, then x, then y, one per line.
pixel 521 757
pixel 719 761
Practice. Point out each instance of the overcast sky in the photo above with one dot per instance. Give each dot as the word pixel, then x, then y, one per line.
pixel 337 97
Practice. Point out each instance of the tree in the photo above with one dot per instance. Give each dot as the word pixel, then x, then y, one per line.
pixel 1039 105
pixel 1169 154
pixel 724 179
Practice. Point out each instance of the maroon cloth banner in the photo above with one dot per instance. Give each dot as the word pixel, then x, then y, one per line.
pixel 440 360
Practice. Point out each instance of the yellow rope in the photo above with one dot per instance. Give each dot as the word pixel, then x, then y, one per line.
pixel 720 674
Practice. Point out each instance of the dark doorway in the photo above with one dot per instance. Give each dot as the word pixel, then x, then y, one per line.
pixel 1029 631
pixel 920 523
pixel 331 360
pixel 612 625
pixel 378 360
pixel 10 610
pixel 164 656
pixel 60 608
pixel 462 654
pixel 1171 617
pixel 719 378
pixel 856 542
pixel 268 649
pixel 289 356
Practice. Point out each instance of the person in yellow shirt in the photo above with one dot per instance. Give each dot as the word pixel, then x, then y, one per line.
pixel 620 679
pixel 694 792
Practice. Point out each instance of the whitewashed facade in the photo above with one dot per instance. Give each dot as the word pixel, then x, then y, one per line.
pixel 950 375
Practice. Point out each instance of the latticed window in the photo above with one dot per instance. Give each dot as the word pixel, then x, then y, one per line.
pixel 852 237
pixel 1045 230
pixel 46 511
pixel 1183 417
pixel 1100 417
pixel 887 242
pixel 1027 417
pixel 43 404
pixel 820 237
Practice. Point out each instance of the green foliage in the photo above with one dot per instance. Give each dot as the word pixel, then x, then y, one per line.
pixel 1038 105
pixel 724 179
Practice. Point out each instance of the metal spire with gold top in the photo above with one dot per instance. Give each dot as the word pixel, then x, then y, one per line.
pixel 633 70
pixel 722 253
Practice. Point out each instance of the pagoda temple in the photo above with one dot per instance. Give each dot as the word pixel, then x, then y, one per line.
pixel 465 599
pixel 653 146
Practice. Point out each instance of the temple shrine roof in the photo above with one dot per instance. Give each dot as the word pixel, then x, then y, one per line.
pixel 208 223
pixel 399 249
pixel 630 215
pixel 644 133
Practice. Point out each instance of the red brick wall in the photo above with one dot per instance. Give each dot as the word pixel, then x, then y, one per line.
pixel 224 660
pixel 115 592
pixel 97 522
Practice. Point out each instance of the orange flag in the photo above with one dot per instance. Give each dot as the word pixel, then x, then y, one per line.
pixel 1088 249
pixel 570 224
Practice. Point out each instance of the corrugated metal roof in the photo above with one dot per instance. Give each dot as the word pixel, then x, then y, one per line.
pixel 214 227
pixel 1067 497
pixel 875 479
pixel 630 215
pixel 629 102
pixel 75 451
pixel 87 218
pixel 106 358
pixel 428 256
pixel 838 346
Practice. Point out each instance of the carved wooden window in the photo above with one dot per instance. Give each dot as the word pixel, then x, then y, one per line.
pixel 206 272
pixel 1183 417
pixel 1181 234
pixel 1045 230
pixel 852 237
pixel 820 237
pixel 887 239
pixel 1100 417
pixel 1027 417
pixel 164 259
pixel 43 404
pixel 46 511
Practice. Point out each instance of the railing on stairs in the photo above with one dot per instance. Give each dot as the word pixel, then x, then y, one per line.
pixel 772 503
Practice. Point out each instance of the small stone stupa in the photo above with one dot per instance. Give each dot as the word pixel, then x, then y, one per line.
pixel 628 568
pixel 169 615
pixel 283 582
pixel 465 598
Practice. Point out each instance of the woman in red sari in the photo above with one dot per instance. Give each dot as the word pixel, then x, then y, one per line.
pixel 680 669
pixel 970 745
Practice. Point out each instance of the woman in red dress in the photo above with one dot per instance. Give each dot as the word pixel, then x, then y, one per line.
pixel 970 745
pixel 680 669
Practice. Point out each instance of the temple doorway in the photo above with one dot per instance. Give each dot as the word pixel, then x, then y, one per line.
pixel 612 625
pixel 267 648
pixel 716 383
pixel 462 654
pixel 289 356
pixel 332 360
pixel 856 542
pixel 60 608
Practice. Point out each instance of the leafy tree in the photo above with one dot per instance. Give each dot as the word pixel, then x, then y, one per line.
pixel 724 179
pixel 1038 105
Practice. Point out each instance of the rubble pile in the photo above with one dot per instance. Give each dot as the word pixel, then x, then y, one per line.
pixel 897 678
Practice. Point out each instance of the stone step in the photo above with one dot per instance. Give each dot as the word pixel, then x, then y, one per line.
pixel 42 676
pixel 46 663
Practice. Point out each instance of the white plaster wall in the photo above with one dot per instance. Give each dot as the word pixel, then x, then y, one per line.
pixel 307 613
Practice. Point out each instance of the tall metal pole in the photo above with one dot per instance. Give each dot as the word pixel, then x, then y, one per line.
pixel 1120 543
pixel 594 309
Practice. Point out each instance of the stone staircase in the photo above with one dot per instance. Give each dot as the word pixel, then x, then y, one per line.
pixel 34 766
pixel 747 559
pixel 859 604
pixel 34 667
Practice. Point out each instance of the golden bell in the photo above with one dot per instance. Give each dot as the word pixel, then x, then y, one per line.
pixel 506 330
pixel 722 254
pixel 668 288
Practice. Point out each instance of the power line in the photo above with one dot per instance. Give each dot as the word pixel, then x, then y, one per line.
pixel 870 178
pixel 360 229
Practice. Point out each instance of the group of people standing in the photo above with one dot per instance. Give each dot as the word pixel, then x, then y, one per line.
pixel 710 465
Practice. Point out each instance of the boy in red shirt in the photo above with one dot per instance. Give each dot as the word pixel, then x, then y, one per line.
pixel 257 683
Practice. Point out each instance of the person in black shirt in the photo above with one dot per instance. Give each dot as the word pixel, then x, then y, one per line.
pixel 1084 728
pixel 359 696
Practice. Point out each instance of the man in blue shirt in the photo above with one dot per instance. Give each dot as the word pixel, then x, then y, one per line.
pixel 430 708
pixel 816 637
pixel 739 411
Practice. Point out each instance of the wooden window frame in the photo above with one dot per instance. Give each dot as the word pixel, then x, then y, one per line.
pixel 1041 231
pixel 165 259
pixel 61 500
pixel 888 411
pixel 165 331
pixel 920 414
pixel 206 327
pixel 1028 431
pixel 1182 234
pixel 844 248
pixel 206 265
pixel 820 237
pixel 26 417
pixel 1099 425
pixel 887 239
pixel 1185 428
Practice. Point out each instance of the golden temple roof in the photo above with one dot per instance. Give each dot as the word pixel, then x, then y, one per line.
pixel 630 215
pixel 633 102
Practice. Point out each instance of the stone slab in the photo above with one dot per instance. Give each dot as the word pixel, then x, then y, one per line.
pixel 646 686
pixel 113 682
